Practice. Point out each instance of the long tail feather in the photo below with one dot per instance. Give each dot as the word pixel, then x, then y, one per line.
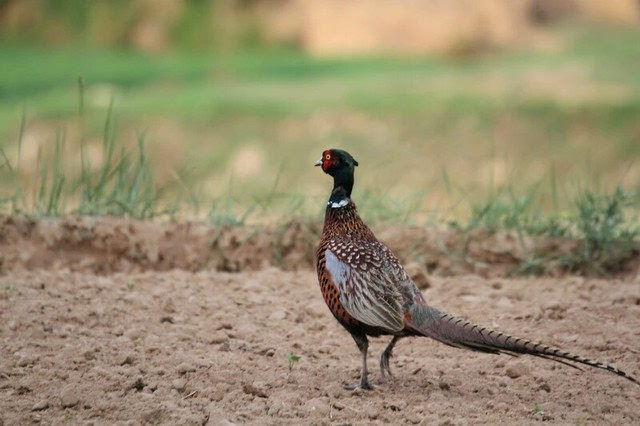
pixel 458 332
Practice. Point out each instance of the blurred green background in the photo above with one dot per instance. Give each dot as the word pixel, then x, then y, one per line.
pixel 217 110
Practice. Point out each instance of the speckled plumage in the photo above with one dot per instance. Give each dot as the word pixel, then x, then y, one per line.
pixel 356 258
pixel 370 294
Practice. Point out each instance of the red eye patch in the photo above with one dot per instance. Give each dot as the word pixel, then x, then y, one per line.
pixel 327 159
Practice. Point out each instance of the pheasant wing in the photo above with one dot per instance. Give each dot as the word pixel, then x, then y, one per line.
pixel 367 279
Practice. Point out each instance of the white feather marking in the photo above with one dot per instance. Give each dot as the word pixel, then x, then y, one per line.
pixel 338 270
pixel 339 204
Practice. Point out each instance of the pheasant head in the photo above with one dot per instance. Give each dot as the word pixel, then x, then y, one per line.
pixel 340 165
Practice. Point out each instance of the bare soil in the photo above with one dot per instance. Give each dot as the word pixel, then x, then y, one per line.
pixel 128 344
pixel 110 245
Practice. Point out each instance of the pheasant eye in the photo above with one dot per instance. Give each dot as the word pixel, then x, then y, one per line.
pixel 328 156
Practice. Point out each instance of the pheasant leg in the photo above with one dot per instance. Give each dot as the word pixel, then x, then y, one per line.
pixel 385 355
pixel 363 345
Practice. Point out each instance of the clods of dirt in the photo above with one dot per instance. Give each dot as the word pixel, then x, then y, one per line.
pixel 87 348
pixel 108 245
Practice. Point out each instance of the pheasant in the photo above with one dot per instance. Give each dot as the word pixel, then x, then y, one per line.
pixel 370 294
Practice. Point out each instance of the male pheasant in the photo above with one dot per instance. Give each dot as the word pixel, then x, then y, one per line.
pixel 370 294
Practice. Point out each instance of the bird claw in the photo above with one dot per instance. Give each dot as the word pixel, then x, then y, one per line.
pixel 386 374
pixel 356 386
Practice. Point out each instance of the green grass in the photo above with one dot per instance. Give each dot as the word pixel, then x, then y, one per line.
pixel 122 184
pixel 206 86
pixel 604 225
pixel 605 228
pixel 292 359
pixel 493 141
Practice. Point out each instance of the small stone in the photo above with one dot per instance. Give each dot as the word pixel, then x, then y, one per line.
pixel 274 409
pixel 13 326
pixel 516 370
pixel 373 413
pixel 134 333
pixel 179 385
pixel 169 306
pixel 25 359
pixel 252 390
pixel 218 337
pixel 545 387
pixel 542 416
pixel 40 405
pixel 69 397
pixel 185 368
pixel 61 374
pixel 127 359
pixel 217 395
pixel 359 392
pixel 444 386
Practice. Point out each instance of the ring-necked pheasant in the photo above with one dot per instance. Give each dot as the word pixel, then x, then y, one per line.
pixel 370 294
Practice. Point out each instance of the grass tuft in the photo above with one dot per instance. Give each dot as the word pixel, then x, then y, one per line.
pixel 122 184
pixel 605 229
pixel 607 236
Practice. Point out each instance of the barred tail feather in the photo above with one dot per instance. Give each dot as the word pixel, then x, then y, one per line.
pixel 458 332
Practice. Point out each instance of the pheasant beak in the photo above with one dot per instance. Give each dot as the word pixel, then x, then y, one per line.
pixel 318 163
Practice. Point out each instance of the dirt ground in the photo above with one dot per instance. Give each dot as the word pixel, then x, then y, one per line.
pixel 109 245
pixel 117 322
pixel 178 347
